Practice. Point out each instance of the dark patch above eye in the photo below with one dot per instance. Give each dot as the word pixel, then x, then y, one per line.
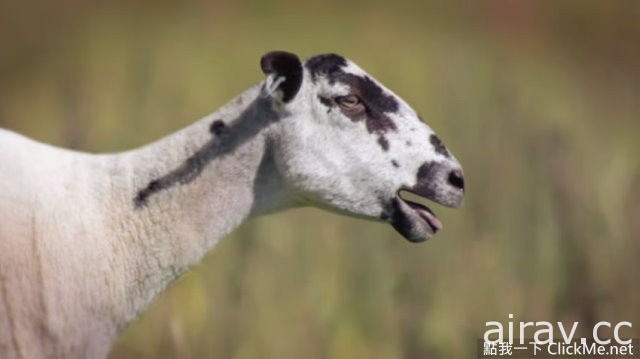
pixel 375 100
pixel 377 103
pixel 439 146
pixel 328 64
pixel 370 92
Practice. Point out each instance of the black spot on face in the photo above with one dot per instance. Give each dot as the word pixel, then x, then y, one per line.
pixel 325 101
pixel 439 146
pixel 369 92
pixel 408 143
pixel 382 141
pixel 328 64
pixel 375 101
pixel 395 163
pixel 425 177
pixel 217 127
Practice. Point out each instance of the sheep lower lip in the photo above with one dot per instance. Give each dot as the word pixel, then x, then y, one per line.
pixel 427 214
pixel 414 221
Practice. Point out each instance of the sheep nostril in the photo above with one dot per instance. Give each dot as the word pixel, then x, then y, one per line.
pixel 456 179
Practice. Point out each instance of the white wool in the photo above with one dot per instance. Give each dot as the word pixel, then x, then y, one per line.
pixel 79 259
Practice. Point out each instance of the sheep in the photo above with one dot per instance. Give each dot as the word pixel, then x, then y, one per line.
pixel 88 240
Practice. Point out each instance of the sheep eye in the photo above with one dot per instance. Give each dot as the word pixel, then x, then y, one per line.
pixel 349 101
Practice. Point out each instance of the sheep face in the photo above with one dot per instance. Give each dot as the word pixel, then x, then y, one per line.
pixel 346 143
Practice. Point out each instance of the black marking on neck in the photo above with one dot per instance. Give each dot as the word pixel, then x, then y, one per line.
pixel 145 193
pixel 257 116
pixel 395 163
pixel 187 172
pixel 217 127
pixel 439 146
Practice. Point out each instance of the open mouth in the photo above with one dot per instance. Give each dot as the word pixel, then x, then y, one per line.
pixel 426 213
pixel 414 221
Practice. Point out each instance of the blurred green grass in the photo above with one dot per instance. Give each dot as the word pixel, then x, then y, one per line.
pixel 538 100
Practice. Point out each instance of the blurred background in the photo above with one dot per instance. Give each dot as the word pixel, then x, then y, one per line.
pixel 539 100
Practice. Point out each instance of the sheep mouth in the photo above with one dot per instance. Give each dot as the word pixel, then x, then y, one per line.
pixel 414 221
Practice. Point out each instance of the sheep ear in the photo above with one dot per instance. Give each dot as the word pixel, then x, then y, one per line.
pixel 284 73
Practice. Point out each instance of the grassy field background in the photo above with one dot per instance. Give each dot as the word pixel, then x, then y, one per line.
pixel 540 102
